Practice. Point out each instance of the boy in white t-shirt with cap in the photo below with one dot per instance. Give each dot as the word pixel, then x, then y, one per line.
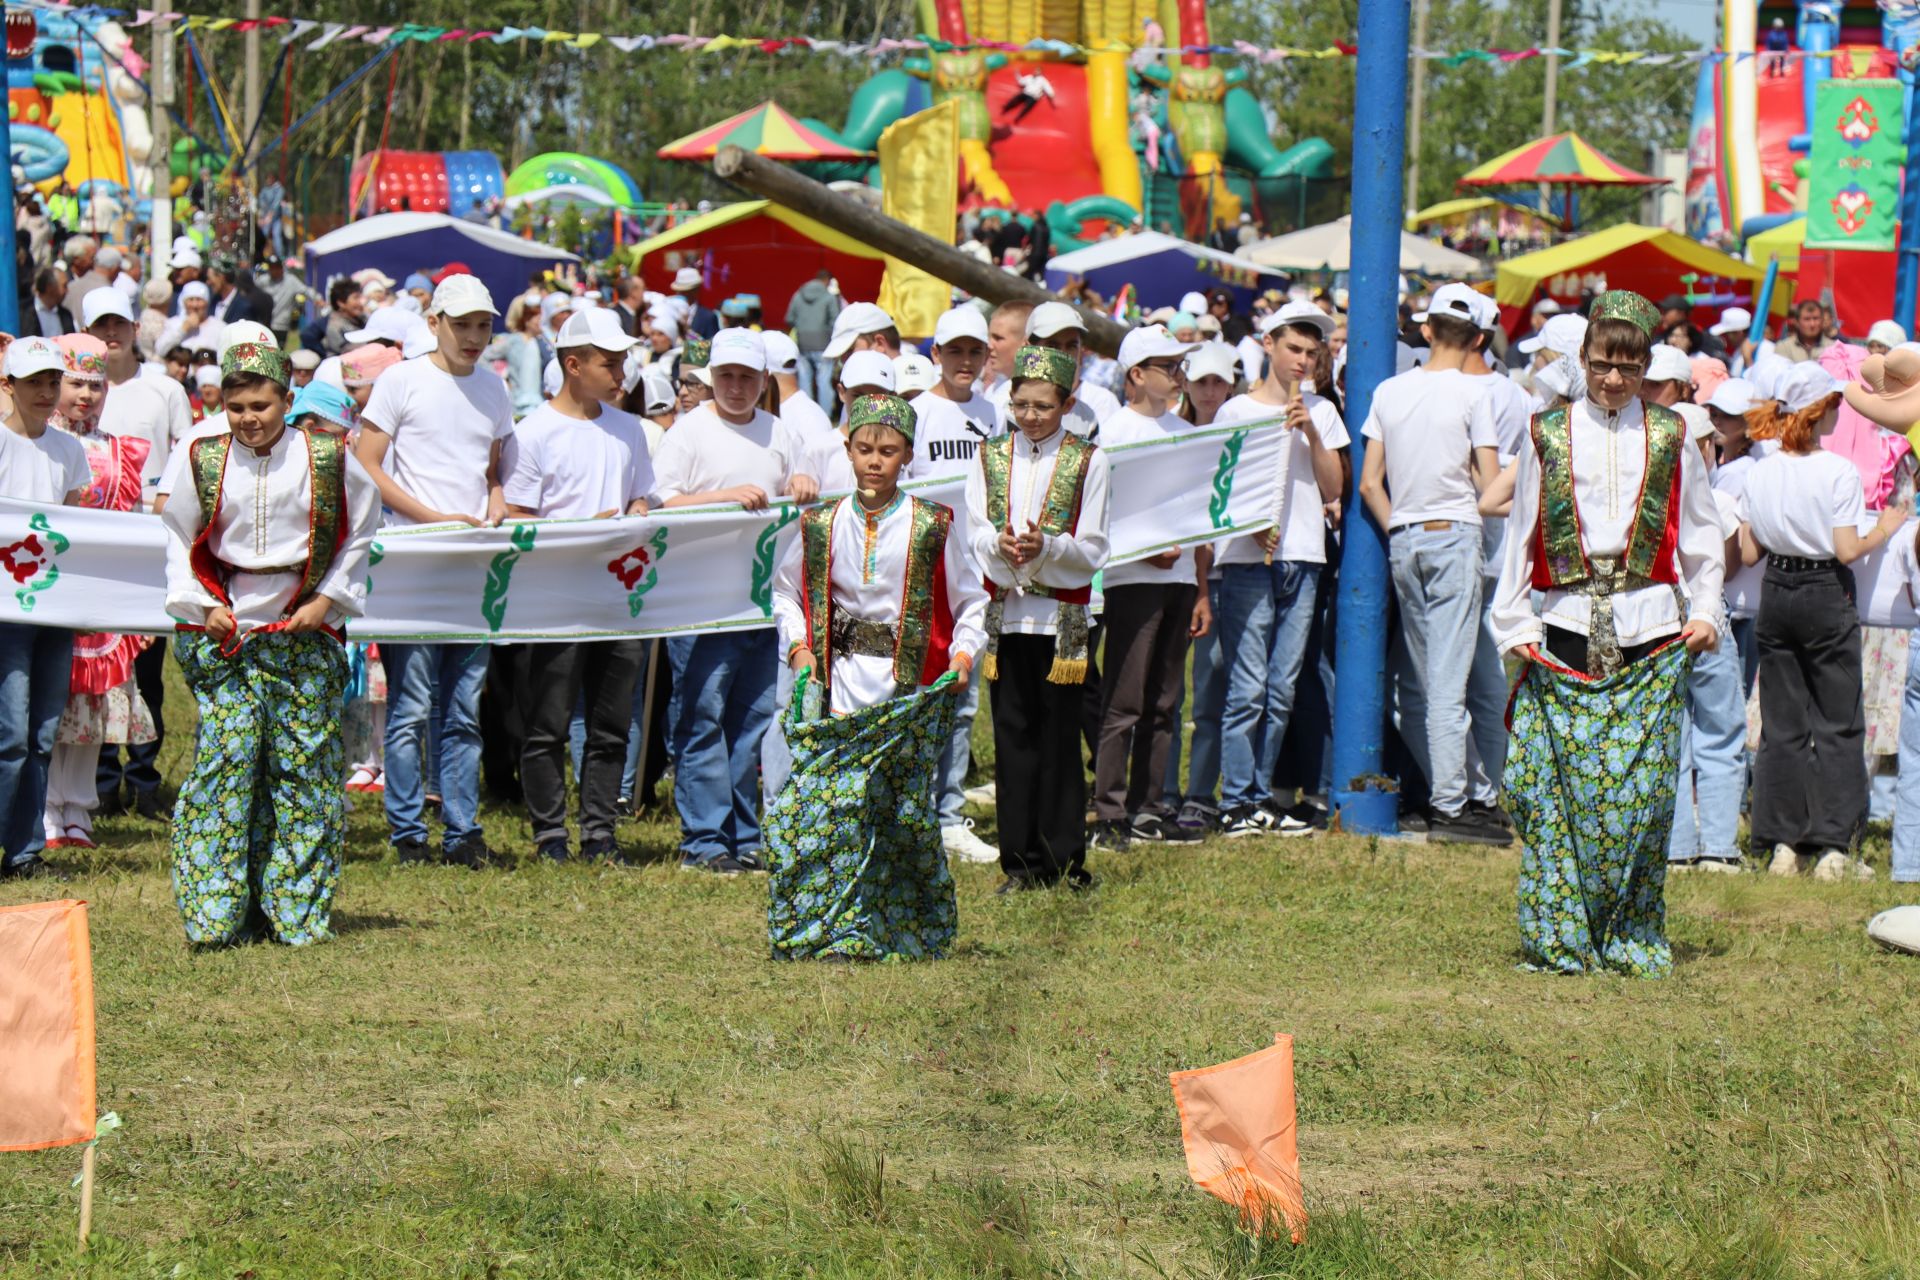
pixel 431 436
pixel 1152 609
pixel 729 450
pixel 953 416
pixel 1560 336
pixel 577 457
pixel 862 326
pixel 1269 581
pixel 1058 326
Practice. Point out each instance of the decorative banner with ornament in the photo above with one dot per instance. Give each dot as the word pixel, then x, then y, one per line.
pixel 680 572
pixel 1859 150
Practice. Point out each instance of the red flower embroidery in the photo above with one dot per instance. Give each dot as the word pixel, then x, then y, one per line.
pixel 631 567
pixel 24 559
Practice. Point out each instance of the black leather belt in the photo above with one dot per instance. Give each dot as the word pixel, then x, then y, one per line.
pixel 1800 564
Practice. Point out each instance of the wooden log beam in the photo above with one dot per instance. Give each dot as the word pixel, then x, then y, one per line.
pixel 785 186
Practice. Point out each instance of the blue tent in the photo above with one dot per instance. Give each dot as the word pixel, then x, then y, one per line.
pixel 402 243
pixel 1161 268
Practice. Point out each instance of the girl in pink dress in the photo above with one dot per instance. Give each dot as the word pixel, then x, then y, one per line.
pixel 104 705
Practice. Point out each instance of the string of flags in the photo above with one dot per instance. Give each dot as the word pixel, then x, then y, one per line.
pixel 320 35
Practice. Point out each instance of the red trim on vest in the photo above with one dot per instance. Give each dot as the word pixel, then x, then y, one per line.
pixel 940 638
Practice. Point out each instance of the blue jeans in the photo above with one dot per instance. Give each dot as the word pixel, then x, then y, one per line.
pixel 955 760
pixel 1906 812
pixel 1487 710
pixel 776 758
pixel 34 665
pixel 577 730
pixel 1713 759
pixel 1742 629
pixel 415 673
pixel 1266 612
pixel 725 684
pixel 1436 580
pixel 1209 701
pixel 816 380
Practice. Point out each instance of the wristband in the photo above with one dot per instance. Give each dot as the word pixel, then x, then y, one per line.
pixel 794 648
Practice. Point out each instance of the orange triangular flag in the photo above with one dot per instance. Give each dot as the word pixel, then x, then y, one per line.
pixel 46 1026
pixel 1237 1123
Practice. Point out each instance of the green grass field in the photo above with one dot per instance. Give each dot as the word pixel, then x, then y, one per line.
pixel 590 1072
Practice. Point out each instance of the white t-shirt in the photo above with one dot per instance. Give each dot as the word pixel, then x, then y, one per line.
pixel 1424 418
pixel 152 409
pixel 1130 426
pixel 1743 580
pixel 703 452
pixel 43 470
pixel 947 434
pixel 443 431
pixel 825 449
pixel 1506 410
pixel 1303 529
pixel 1795 501
pixel 564 468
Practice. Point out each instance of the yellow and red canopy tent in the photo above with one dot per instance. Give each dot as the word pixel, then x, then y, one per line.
pixel 1564 160
pixel 766 129
pixel 1651 261
pixel 759 247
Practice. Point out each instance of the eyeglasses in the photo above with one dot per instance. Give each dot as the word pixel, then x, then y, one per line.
pixel 1027 409
pixel 692 384
pixel 1598 369
pixel 1171 368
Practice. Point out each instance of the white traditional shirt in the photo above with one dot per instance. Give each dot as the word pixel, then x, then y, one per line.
pixel 1065 561
pixel 1609 463
pixel 264 522
pixel 869 576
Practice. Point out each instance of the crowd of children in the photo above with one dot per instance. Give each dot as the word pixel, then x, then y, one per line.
pixel 1589 516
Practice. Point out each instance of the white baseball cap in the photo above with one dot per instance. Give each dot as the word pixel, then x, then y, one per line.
pixel 658 386
pixel 195 289
pixel 304 358
pixel 1050 318
pixel 1668 364
pixel 1546 307
pixel 1735 395
pixel 1733 320
pixel 1699 421
pixel 1806 384
pixel 1562 335
pixel 912 373
pixel 686 280
pixel 1456 301
pixel 101 303
pixel 461 295
pixel 855 320
pixel 868 369
pixel 331 372
pixel 740 347
pixel 387 324
pixel 239 331
pixel 783 353
pixel 595 327
pixel 1214 359
pixel 1193 302
pixel 1299 313
pixel 1887 331
pixel 962 322
pixel 186 256
pixel 207 375
pixel 28 356
pixel 1151 342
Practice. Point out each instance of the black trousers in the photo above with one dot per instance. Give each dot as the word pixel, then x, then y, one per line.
pixel 558 675
pixel 1147 625
pixel 142 769
pixel 1810 774
pixel 1569 648
pixel 503 730
pixel 1040 789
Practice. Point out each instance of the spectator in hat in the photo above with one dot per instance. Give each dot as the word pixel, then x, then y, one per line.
pixel 1883 336
pixel 303 362
pixel 1733 330
pixel 862 326
pixel 701 321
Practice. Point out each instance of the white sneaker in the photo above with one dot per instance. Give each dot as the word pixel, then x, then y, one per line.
pixel 1835 865
pixel 964 846
pixel 1788 863
pixel 1718 866
pixel 983 794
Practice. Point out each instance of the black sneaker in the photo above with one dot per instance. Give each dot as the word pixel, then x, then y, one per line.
pixel 1198 817
pixel 1246 820
pixel 1467 827
pixel 1081 880
pixel 31 867
pixel 607 849
pixel 749 860
pixel 112 804
pixel 723 865
pixel 558 850
pixel 1149 827
pixel 471 853
pixel 1113 836
pixel 148 804
pixel 412 851
pixel 1491 812
pixel 1413 823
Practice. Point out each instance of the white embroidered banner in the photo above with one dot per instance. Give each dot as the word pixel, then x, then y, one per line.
pixel 677 572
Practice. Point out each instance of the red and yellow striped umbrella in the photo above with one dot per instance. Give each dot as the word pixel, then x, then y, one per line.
pixel 765 129
pixel 1564 160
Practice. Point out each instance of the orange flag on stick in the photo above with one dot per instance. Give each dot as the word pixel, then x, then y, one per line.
pixel 46 1027
pixel 1237 1123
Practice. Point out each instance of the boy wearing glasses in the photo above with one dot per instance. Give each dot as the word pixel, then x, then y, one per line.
pixel 1153 608
pixel 1420 482
pixel 1058 327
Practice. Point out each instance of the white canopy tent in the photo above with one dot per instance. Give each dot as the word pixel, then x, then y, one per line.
pixel 1327 248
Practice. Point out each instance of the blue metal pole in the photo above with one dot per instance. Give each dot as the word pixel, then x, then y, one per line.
pixel 1362 799
pixel 1906 278
pixel 9 275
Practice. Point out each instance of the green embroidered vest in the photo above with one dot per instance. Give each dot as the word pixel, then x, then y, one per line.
pixel 1560 557
pixel 925 628
pixel 1059 514
pixel 326 517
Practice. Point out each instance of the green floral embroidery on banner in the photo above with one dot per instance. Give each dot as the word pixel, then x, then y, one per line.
pixel 30 561
pixel 493 600
pixel 375 555
pixel 639 570
pixel 1223 479
pixel 763 558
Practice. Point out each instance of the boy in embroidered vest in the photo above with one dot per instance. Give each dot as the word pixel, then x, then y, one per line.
pixel 1037 525
pixel 268 540
pixel 1614 525
pixel 875 601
